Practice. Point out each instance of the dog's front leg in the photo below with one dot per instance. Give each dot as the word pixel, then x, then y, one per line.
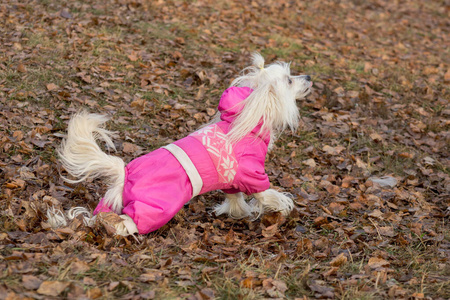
pixel 235 206
pixel 271 200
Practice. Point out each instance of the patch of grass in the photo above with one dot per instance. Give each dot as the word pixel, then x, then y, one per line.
pixel 355 293
pixel 158 30
pixel 39 39
pixel 285 48
pixel 319 70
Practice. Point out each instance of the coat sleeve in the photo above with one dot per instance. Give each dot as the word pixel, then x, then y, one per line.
pixel 251 177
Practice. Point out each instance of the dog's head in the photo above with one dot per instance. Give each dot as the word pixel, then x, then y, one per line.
pixel 272 101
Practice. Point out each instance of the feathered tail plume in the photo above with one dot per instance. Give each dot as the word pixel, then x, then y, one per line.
pixel 82 157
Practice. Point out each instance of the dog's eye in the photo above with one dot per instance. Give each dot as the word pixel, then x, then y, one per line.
pixel 289 80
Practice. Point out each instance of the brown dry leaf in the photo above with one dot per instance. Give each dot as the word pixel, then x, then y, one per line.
pixel 310 162
pixel 52 288
pixel 376 137
pixel 385 181
pixel 94 293
pixel 376 213
pixel 362 166
pixel 31 282
pixel 333 189
pixel 270 231
pixel 367 67
pixel 376 262
pixel 447 76
pixel 205 294
pixel 331 272
pixel 21 68
pixel 78 267
pixel 387 231
pixel 333 150
pixel 153 276
pixel 52 87
pixel 406 155
pixel 287 181
pixel 130 148
pixel 274 287
pixel 346 181
pixel 304 245
pixel 320 287
pixel 251 282
pixel 211 112
pixel 133 56
pixel 273 218
pixel 356 206
pixel 319 221
pixel 147 295
pixel 339 260
pixel 65 14
pixel 16 183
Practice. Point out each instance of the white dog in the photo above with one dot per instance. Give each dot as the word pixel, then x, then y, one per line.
pixel 228 154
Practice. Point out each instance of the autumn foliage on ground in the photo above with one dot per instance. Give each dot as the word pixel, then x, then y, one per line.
pixel 368 167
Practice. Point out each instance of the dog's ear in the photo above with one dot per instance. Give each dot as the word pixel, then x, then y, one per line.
pixel 258 60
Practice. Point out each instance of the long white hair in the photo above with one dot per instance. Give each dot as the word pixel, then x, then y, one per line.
pixel 83 158
pixel 272 101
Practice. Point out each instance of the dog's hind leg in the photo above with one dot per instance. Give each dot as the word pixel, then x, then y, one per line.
pixel 271 200
pixel 235 206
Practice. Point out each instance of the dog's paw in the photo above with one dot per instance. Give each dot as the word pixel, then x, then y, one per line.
pixel 117 225
pixel 272 200
pixel 234 206
pixel 286 204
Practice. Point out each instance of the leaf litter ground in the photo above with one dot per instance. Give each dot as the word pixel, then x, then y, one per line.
pixel 368 168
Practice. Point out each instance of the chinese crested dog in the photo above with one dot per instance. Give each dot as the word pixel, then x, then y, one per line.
pixel 228 154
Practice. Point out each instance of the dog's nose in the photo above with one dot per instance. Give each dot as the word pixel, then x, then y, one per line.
pixel 308 78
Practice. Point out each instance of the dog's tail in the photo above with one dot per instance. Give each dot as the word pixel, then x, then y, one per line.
pixel 82 157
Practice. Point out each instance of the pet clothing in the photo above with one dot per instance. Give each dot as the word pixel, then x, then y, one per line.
pixel 158 184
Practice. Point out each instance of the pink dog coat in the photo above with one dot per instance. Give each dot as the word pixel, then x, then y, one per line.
pixel 158 184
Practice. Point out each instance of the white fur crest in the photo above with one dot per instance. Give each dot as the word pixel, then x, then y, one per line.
pixel 273 100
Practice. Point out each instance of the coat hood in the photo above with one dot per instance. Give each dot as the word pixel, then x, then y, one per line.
pixel 231 102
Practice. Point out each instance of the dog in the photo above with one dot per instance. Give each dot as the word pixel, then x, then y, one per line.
pixel 227 154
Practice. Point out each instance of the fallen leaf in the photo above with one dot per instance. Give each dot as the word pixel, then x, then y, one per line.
pixel 376 137
pixel 31 282
pixel 251 282
pixel 52 87
pixel 376 262
pixel 333 150
pixel 270 231
pixel 387 231
pixel 205 294
pixel 94 293
pixel 21 68
pixel 339 260
pixel 376 213
pixel 385 181
pixel 130 148
pixel 78 267
pixel 310 162
pixel 65 14
pixel 52 288
pixel 133 56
